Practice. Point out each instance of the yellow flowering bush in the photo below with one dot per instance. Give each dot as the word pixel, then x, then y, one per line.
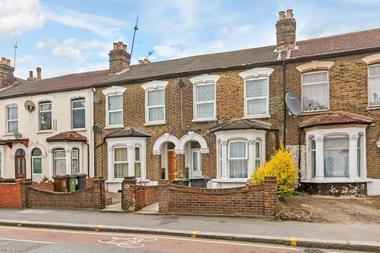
pixel 282 167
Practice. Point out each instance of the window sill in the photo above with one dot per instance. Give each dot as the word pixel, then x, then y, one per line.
pixel 228 180
pixel 79 129
pixel 314 112
pixel 373 108
pixel 204 120
pixel 113 127
pixel 8 134
pixel 336 180
pixel 155 123
pixel 260 116
pixel 45 131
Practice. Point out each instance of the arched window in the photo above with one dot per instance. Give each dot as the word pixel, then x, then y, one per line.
pixel 36 161
pixel 75 167
pixel 336 156
pixel 59 162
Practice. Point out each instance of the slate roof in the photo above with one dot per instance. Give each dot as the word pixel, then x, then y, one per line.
pixel 238 124
pixel 127 132
pixel 70 136
pixel 350 42
pixel 335 118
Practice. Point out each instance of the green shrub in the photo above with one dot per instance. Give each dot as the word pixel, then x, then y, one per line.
pixel 282 167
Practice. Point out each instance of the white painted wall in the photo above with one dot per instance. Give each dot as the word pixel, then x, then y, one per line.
pixel 28 127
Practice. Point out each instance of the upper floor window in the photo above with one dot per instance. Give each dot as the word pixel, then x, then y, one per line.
pixel 12 118
pixel 155 107
pixel 374 85
pixel 115 110
pixel 256 96
pixel 155 102
pixel 45 116
pixel 78 114
pixel 238 159
pixel 315 91
pixel 204 97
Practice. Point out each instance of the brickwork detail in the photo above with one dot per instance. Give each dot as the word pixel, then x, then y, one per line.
pixel 243 201
pixel 134 197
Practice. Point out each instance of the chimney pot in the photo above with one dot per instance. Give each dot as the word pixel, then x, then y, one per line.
pixel 281 15
pixel 30 78
pixel 8 62
pixel 6 72
pixel 114 45
pixel 289 13
pixel 38 70
pixel 120 45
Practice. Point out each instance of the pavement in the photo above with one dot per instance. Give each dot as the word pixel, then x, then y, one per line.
pixel 361 237
pixel 32 240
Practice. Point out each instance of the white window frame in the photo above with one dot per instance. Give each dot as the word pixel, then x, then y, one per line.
pixel 36 157
pixel 369 77
pixel 246 99
pixel 114 162
pixel 55 159
pixel 137 161
pixel 335 137
pixel 245 158
pixel 113 111
pixel 154 86
pixel 204 80
pixel 114 91
pixel 7 120
pixel 78 109
pixel 258 160
pixel 45 111
pixel 328 90
pixel 75 150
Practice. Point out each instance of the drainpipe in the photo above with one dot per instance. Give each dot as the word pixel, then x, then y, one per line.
pixel 93 132
pixel 285 111
pixel 88 158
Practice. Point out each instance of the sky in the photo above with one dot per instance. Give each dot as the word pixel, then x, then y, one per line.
pixel 66 36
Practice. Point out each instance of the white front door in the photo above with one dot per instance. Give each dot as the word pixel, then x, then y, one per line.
pixel 196 163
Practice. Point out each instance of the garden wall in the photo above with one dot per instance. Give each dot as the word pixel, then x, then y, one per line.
pixel 243 201
pixel 10 193
pixel 134 197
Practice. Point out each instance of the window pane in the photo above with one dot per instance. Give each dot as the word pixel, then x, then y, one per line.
pixel 37 165
pixel 336 157
pixel 195 161
pixel 115 118
pixel 121 170
pixel 237 150
pixel 59 167
pixel 45 120
pixel 257 106
pixel 45 106
pixel 315 78
pixel 59 154
pixel 256 88
pixel 12 112
pixel 238 169
pixel 315 97
pixel 78 104
pixel 258 149
pixel 121 154
pixel 36 152
pixel 138 170
pixel 205 110
pixel 374 90
pixel 156 114
pixel 115 102
pixel 156 97
pixel 137 154
pixel 79 118
pixel 12 126
pixel 205 92
pixel 374 70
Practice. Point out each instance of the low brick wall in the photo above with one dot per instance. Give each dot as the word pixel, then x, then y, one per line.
pixel 89 198
pixel 10 193
pixel 243 201
pixel 47 186
pixel 134 197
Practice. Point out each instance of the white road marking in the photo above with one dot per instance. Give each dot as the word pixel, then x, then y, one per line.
pixel 131 242
pixel 34 211
pixel 18 240
pixel 158 237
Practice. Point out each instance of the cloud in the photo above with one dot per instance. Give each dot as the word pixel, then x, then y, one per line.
pixel 100 25
pixel 17 17
pixel 67 52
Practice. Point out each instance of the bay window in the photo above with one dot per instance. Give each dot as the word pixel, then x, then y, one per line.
pixel 45 116
pixel 155 106
pixel 204 101
pixel 315 91
pixel 12 118
pixel 256 96
pixel 374 85
pixel 120 162
pixel 78 114
pixel 238 159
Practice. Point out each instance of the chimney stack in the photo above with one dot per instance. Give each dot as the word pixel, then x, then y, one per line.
pixel 38 70
pixel 144 61
pixel 118 57
pixel 31 77
pixel 286 31
pixel 6 73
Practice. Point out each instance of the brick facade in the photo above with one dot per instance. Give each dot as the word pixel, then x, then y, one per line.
pixel 10 194
pixel 134 197
pixel 243 201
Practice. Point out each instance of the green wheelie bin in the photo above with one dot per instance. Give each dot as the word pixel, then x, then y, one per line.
pixel 71 182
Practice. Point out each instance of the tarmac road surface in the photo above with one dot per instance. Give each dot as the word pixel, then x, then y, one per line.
pixel 32 240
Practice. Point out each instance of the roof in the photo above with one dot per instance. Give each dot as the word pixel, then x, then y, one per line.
pixel 67 136
pixel 335 118
pixel 349 42
pixel 127 132
pixel 55 84
pixel 238 124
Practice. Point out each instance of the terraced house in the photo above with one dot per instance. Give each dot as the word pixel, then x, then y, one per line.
pixel 217 115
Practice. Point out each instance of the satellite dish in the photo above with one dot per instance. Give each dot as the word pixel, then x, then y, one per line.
pixel 293 103
pixel 29 105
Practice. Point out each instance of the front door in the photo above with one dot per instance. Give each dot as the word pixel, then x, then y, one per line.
pixel 20 164
pixel 196 163
pixel 171 165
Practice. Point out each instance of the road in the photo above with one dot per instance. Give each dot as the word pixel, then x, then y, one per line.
pixel 31 240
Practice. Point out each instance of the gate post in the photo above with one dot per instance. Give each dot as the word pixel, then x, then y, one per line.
pixel 128 194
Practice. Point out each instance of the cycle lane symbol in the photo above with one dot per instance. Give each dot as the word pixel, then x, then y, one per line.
pixel 133 242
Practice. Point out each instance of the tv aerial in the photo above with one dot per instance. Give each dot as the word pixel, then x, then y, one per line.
pixel 293 103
